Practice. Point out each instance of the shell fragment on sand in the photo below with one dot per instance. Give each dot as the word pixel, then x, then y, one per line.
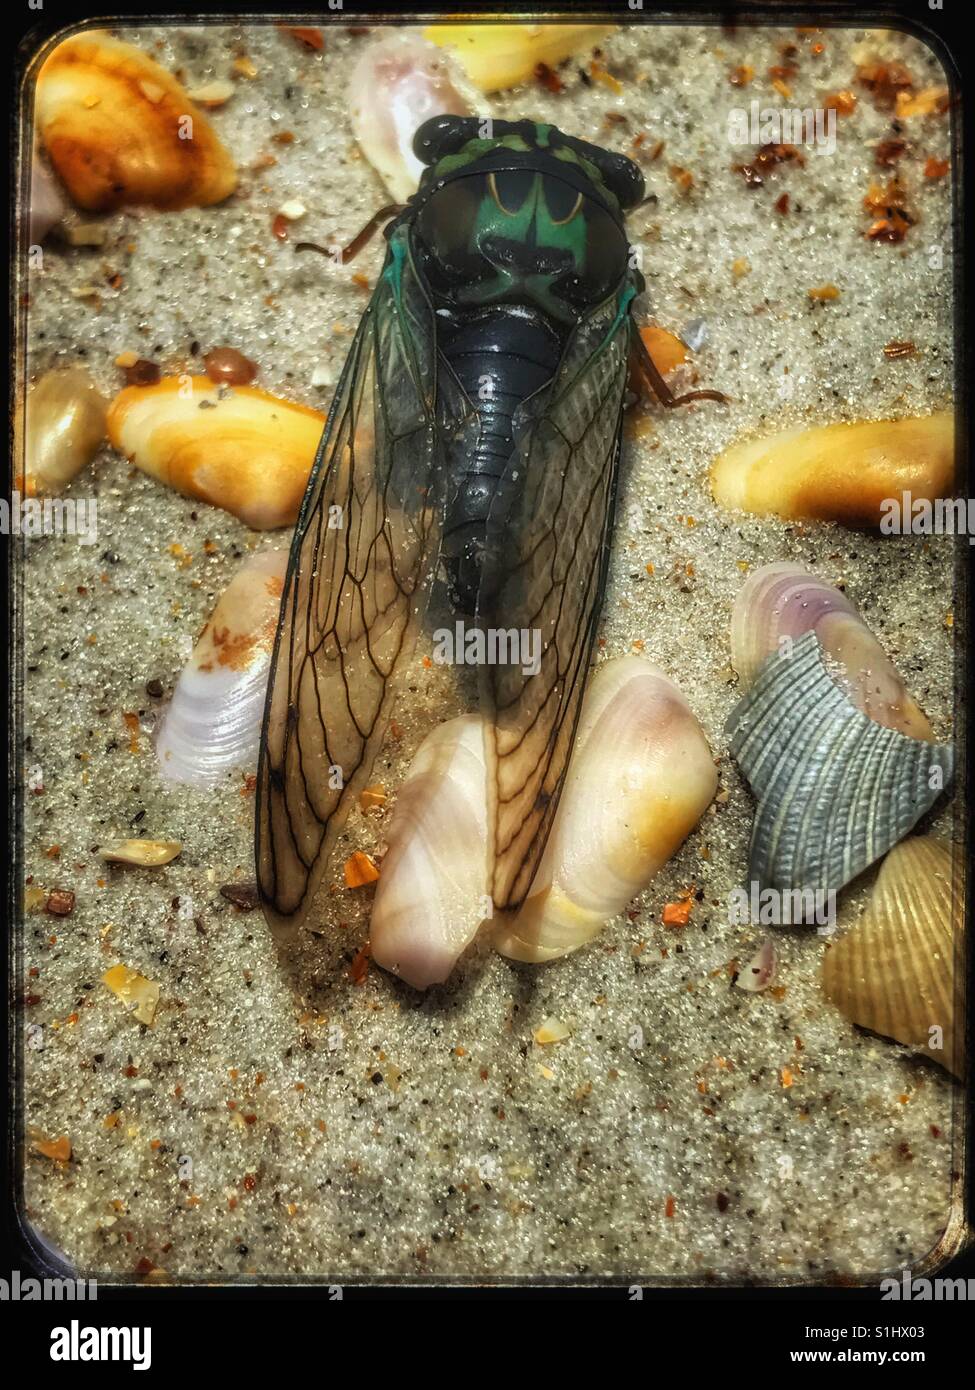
pixel 120 130
pixel 841 472
pixel 835 789
pixel 213 722
pixel 899 970
pixel 238 448
pixel 640 778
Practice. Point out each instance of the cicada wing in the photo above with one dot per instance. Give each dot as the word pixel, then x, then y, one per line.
pixel 543 573
pixel 358 578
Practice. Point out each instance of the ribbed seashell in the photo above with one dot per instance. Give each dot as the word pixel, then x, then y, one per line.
pixel 640 778
pixel 841 472
pixel 899 971
pixel 835 789
pixel 212 725
pixel 432 895
pixel 395 86
pixel 238 448
pixel 779 602
pixel 496 56
pixel 120 130
pixel 65 423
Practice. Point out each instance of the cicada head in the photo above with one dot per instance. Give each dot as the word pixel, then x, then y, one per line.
pixel 518 212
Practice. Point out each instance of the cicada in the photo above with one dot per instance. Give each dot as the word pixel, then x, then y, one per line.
pixel 469 466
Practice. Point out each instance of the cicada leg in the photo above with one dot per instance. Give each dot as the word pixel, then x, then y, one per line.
pixel 652 376
pixel 361 238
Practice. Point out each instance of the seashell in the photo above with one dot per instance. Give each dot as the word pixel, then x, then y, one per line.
pixel 147 854
pixel 242 449
pixel 899 970
pixel 139 994
pixel 396 85
pixel 841 472
pixel 779 602
pixel 213 723
pixel 640 778
pixel 120 130
pixel 47 205
pixel 759 973
pixel 496 56
pixel 433 893
pixel 835 789
pixel 65 423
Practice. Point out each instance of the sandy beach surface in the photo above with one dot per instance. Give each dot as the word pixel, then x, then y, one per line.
pixel 280 1120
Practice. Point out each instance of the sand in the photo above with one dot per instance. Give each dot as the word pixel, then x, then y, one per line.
pixel 279 1120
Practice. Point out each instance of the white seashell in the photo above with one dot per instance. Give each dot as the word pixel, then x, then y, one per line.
pixel 432 895
pixel 640 778
pixel 835 789
pixel 65 423
pixel 396 85
pixel 899 971
pixel 759 973
pixel 213 722
pixel 47 204
pixel 779 602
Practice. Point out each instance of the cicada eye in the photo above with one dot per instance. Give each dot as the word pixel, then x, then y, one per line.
pixel 445 233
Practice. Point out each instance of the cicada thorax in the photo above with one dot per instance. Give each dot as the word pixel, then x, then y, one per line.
pixel 518 239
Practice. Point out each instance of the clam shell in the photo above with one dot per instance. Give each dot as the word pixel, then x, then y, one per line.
pixel 65 424
pixel 120 130
pixel 640 778
pixel 240 449
pixel 842 472
pixel 147 854
pixel 213 723
pixel 835 789
pixel 432 895
pixel 779 602
pixel 899 971
pixel 496 56
pixel 395 86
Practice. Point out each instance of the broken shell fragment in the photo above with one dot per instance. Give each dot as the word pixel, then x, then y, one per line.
pixel 396 85
pixel 835 789
pixel 241 449
pixel 841 472
pixel 65 423
pixel 139 995
pixel 759 973
pixel 897 971
pixel 47 205
pixel 121 131
pixel 433 893
pixel 640 778
pixel 213 723
pixel 779 602
pixel 496 56
pixel 148 854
